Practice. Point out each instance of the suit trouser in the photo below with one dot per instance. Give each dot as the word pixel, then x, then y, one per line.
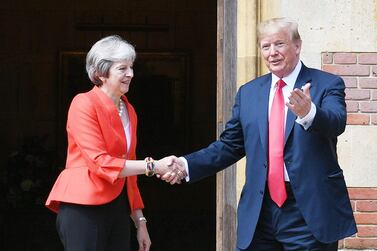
pixel 285 228
pixel 95 228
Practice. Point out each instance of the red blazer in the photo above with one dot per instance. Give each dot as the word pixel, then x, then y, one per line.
pixel 96 154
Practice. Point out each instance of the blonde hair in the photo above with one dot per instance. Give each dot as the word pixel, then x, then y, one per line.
pixel 275 25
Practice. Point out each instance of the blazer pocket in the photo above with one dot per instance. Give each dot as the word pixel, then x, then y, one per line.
pixel 337 175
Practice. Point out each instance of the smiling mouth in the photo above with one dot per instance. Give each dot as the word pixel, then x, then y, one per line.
pixel 275 62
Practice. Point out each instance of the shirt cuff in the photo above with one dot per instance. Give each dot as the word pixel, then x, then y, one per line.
pixel 186 167
pixel 307 121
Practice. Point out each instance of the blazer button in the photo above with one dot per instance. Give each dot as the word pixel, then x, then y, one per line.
pixel 123 156
pixel 261 192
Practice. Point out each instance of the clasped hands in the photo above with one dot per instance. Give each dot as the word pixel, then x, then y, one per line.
pixel 171 169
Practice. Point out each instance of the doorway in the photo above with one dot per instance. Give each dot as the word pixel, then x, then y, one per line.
pixel 160 94
pixel 39 34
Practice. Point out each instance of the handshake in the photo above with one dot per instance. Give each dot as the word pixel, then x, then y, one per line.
pixel 170 169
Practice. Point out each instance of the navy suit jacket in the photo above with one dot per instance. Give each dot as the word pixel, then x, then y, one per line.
pixel 310 156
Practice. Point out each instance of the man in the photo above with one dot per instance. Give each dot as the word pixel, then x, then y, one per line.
pixel 286 123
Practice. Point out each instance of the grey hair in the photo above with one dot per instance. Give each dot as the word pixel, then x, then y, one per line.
pixel 277 24
pixel 104 53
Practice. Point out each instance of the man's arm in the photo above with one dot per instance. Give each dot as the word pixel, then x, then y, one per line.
pixel 331 115
pixel 217 156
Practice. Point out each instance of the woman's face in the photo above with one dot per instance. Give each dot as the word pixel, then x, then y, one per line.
pixel 119 79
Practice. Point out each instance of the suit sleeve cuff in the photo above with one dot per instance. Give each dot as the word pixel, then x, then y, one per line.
pixel 307 121
pixel 186 167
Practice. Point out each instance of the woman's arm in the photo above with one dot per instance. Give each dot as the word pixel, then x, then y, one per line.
pixel 142 231
pixel 133 167
pixel 137 167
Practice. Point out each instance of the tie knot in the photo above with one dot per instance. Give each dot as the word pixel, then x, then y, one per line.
pixel 280 84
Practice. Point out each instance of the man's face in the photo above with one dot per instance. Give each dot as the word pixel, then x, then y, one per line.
pixel 280 53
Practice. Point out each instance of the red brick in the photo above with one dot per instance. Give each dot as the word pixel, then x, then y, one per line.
pixel 356 94
pixel 366 218
pixel 352 106
pixel 373 119
pixel 345 58
pixel 350 82
pixel 348 70
pixel 366 231
pixel 366 205
pixel 368 58
pixel 362 193
pixel 360 243
pixel 357 119
pixel 368 106
pixel 366 83
pixel 327 58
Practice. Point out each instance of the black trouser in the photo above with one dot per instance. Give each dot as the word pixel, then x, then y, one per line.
pixel 95 228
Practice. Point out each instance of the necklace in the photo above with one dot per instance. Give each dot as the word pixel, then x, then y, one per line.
pixel 121 108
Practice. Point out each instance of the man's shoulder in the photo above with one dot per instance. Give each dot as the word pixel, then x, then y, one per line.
pixel 256 82
pixel 317 73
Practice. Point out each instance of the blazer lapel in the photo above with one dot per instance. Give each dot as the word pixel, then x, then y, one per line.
pixel 111 111
pixel 302 78
pixel 264 94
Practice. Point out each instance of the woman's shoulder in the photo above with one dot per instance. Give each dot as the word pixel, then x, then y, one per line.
pixel 83 98
pixel 82 102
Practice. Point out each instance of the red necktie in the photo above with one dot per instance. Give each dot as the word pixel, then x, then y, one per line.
pixel 276 183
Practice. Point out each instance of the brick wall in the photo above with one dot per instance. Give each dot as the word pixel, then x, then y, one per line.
pixel 359 71
pixel 364 204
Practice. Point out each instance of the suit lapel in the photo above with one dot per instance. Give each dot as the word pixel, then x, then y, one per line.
pixel 264 94
pixel 302 78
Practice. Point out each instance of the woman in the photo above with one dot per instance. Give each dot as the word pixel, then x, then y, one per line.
pixel 97 190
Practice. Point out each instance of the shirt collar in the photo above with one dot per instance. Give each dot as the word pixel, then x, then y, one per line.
pixel 290 79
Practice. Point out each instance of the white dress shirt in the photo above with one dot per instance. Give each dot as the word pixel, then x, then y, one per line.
pixel 126 126
pixel 290 81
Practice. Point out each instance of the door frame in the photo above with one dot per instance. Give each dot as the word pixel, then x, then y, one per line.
pixel 226 192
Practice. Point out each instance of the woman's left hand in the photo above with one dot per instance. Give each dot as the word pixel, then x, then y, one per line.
pixel 143 237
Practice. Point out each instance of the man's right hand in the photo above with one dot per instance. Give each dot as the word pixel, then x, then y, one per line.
pixel 171 169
